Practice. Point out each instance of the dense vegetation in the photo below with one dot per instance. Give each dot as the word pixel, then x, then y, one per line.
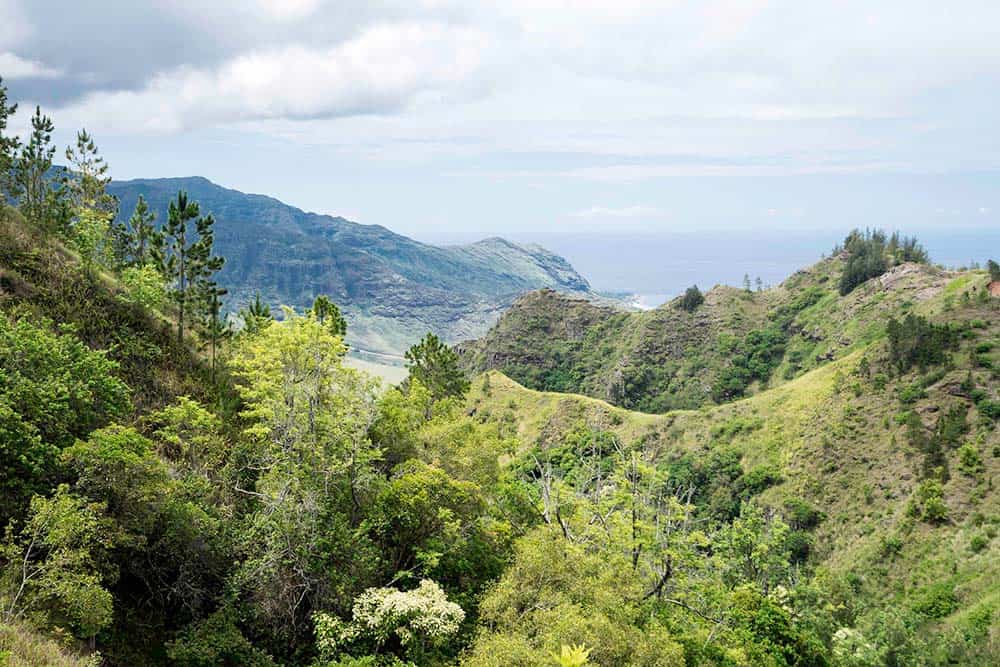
pixel 871 253
pixel 177 490
pixel 713 347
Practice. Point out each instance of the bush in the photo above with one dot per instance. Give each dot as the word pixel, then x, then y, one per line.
pixel 969 459
pixel 890 546
pixel 144 286
pixel 692 299
pixel 978 543
pixel 936 601
pixel 927 503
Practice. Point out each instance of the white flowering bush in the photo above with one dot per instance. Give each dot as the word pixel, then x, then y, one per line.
pixel 416 618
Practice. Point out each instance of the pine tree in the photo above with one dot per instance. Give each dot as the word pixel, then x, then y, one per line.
pixel 189 265
pixel 8 147
pixel 138 242
pixel 32 168
pixel 216 327
pixel 84 187
pixel 746 282
pixel 87 181
pixel 435 365
pixel 994 270
pixel 256 315
pixel 328 313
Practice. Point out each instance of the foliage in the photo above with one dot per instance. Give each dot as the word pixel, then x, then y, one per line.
pixel 36 198
pixel 415 620
pixel 752 359
pixel 57 565
pixel 914 341
pixel 328 313
pixel 188 264
pixel 53 389
pixel 994 270
pixel 144 286
pixel 691 299
pixel 435 365
pixel 871 253
pixel 137 242
pixel 256 315
pixel 9 146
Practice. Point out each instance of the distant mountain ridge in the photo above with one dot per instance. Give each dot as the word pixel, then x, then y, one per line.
pixel 393 288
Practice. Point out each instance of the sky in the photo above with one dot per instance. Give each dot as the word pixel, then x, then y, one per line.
pixel 449 120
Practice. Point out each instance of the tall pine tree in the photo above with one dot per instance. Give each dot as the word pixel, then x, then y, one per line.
pixel 189 264
pixel 215 326
pixel 93 208
pixel 32 169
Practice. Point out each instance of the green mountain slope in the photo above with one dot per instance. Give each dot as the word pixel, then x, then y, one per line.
pixel 40 281
pixel 393 288
pixel 733 344
pixel 865 447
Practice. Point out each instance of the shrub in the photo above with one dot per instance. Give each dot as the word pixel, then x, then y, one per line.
pixel 978 543
pixel 801 515
pixel 692 299
pixel 968 456
pixel 936 601
pixel 927 503
pixel 890 546
pixel 144 286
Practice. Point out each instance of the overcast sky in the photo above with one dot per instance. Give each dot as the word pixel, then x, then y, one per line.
pixel 436 117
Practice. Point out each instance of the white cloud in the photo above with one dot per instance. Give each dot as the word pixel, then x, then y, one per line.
pixel 636 211
pixel 12 66
pixel 288 10
pixel 383 69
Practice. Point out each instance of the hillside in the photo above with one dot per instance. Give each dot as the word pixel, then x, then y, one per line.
pixel 856 456
pixel 394 289
pixel 735 343
pixel 40 280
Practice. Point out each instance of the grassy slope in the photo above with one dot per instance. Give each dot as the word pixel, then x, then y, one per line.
pixel 40 278
pixel 20 646
pixel 667 358
pixel 837 444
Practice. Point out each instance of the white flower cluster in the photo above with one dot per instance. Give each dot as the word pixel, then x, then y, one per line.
pixel 422 612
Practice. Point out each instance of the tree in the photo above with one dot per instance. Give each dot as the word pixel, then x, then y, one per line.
pixel 32 170
pixel 256 315
pixel 328 313
pixel 87 181
pixel 746 283
pixel 59 564
pixel 994 270
pixel 8 146
pixel 216 327
pixel 436 366
pixel 190 263
pixel 692 299
pixel 138 242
